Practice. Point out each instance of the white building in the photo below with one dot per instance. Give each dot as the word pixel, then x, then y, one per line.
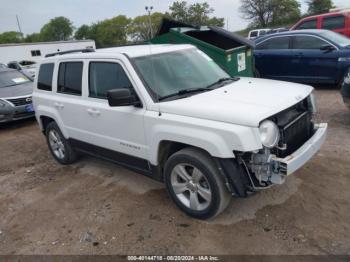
pixel 36 51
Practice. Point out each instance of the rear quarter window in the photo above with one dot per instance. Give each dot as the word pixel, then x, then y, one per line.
pixel 253 33
pixel 334 22
pixel 70 78
pixel 274 43
pixel 309 24
pixel 45 77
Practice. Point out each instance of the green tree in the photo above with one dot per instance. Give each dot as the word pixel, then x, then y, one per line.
pixel 83 32
pixel 264 13
pixel 179 11
pixel 257 11
pixel 195 14
pixel 10 37
pixel 139 29
pixel 58 29
pixel 319 6
pixel 111 32
pixel 35 37
pixel 285 12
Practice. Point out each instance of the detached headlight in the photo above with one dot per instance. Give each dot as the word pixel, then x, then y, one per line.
pixel 269 133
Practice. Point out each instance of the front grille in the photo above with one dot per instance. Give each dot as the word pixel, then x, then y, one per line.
pixel 296 127
pixel 295 134
pixel 21 101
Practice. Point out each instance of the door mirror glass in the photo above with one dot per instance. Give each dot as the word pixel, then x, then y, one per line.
pixel 122 97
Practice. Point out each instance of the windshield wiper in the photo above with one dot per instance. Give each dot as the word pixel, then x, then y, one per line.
pixel 222 80
pixel 201 89
pixel 185 91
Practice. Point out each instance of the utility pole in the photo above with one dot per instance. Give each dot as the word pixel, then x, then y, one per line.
pixel 19 26
pixel 149 10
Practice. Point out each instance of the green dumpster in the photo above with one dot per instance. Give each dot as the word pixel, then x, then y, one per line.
pixel 229 50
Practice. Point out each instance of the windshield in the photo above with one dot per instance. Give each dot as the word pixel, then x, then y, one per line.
pixel 339 39
pixel 172 72
pixel 12 78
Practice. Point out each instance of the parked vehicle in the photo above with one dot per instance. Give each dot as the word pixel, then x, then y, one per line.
pixel 345 89
pixel 278 30
pixel 28 68
pixel 305 56
pixel 170 112
pixel 338 21
pixel 253 34
pixel 15 96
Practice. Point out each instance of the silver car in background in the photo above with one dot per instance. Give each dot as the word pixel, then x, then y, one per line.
pixel 15 95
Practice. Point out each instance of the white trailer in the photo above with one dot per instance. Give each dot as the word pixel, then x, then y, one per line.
pixel 36 51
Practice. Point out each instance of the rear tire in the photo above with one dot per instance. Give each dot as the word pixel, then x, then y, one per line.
pixel 195 185
pixel 59 147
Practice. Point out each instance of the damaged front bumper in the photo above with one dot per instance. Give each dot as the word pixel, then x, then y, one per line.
pixel 273 170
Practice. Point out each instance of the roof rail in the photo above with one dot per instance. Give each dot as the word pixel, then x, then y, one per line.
pixel 86 50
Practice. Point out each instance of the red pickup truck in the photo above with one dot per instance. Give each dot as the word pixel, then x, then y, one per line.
pixel 337 21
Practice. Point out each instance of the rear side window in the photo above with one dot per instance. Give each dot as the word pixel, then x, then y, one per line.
pixel 253 33
pixel 334 22
pixel 310 24
pixel 308 42
pixel 104 76
pixel 45 77
pixel 70 78
pixel 275 43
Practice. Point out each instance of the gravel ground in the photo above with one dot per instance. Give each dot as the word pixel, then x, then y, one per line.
pixel 95 207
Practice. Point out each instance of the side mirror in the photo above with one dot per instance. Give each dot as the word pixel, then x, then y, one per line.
pixel 122 97
pixel 327 48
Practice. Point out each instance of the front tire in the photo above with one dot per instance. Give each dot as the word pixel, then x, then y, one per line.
pixel 195 185
pixel 60 147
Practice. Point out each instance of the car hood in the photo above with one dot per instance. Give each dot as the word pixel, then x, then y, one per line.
pixel 247 101
pixel 17 90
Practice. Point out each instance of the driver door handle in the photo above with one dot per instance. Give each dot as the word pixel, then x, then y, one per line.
pixel 59 105
pixel 93 112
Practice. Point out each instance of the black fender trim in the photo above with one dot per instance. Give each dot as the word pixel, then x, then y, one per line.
pixel 234 175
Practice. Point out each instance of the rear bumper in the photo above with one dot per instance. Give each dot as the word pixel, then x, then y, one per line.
pixel 293 162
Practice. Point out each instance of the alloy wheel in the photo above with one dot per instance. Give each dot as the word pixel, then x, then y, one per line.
pixel 191 187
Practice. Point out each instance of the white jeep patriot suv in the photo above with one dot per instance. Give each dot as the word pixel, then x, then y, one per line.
pixel 171 113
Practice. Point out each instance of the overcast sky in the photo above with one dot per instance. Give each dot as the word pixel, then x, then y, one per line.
pixel 33 14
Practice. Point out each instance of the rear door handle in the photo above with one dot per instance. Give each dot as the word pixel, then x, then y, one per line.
pixel 59 105
pixel 299 55
pixel 93 112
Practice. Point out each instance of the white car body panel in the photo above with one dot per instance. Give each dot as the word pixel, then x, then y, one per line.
pixel 246 102
pixel 220 121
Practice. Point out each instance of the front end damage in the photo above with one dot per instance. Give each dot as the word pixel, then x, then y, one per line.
pixel 299 140
pixel 270 169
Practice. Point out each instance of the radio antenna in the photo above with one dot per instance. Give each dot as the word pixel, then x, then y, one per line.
pixel 19 25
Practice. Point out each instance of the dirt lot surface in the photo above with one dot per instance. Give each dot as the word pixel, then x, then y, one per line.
pixel 95 207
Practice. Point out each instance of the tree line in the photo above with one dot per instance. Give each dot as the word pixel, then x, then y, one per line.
pixel 273 13
pixel 118 30
pixel 121 29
